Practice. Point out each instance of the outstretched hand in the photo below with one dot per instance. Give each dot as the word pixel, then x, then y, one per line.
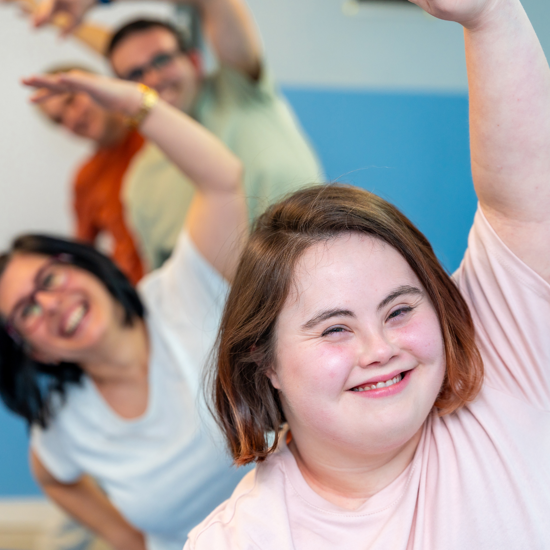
pixel 110 93
pixel 73 12
pixel 469 13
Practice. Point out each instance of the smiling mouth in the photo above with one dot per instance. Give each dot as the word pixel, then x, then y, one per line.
pixel 378 385
pixel 74 320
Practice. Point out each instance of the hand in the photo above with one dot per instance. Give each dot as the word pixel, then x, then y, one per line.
pixel 72 10
pixel 110 93
pixel 469 13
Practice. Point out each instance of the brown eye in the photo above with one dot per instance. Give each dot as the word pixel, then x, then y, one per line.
pixel 52 279
pixel 29 311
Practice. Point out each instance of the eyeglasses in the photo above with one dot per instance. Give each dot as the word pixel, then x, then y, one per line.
pixel 158 62
pixel 27 313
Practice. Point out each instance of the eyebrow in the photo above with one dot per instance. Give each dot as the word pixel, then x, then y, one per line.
pixel 337 312
pixel 400 291
pixel 324 315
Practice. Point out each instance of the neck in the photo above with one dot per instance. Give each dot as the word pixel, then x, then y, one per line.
pixel 346 479
pixel 122 357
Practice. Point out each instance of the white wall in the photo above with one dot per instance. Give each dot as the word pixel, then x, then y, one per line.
pixel 308 43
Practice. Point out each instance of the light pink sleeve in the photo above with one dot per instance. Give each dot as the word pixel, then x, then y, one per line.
pixel 510 305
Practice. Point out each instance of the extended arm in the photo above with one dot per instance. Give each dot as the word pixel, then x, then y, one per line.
pixel 95 37
pixel 84 501
pixel 231 30
pixel 227 23
pixel 216 220
pixel 509 83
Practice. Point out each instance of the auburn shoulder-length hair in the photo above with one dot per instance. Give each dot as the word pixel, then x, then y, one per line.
pixel 246 405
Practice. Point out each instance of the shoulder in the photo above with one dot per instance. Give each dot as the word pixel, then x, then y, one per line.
pixel 246 520
pixel 228 82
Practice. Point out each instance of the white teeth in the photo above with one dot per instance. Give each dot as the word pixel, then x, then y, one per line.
pixel 74 319
pixel 391 382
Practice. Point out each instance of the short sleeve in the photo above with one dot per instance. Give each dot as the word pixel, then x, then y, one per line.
pixel 186 288
pixel 510 306
pixel 244 89
pixel 51 448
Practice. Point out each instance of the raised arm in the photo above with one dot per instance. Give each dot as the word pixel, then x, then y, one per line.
pixel 509 83
pixel 227 23
pixel 230 29
pixel 217 218
pixel 96 37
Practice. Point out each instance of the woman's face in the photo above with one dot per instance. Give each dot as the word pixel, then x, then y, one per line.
pixel 65 322
pixel 359 350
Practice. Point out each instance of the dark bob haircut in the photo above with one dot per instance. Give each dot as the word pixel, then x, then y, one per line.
pixel 246 405
pixel 142 25
pixel 27 385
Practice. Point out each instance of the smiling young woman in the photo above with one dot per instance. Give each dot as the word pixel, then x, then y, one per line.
pixel 386 404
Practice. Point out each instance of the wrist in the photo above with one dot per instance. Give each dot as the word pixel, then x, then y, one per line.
pixel 140 107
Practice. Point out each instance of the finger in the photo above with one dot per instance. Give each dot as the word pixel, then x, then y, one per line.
pixel 47 82
pixel 69 27
pixel 42 95
pixel 44 13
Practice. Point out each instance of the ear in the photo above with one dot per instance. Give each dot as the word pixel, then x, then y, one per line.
pixel 271 373
pixel 196 59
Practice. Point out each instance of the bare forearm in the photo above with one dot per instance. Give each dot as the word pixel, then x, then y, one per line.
pixel 231 30
pixel 509 84
pixel 193 149
pixel 88 504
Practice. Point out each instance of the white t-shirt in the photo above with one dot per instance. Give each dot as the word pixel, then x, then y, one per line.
pixel 480 478
pixel 166 470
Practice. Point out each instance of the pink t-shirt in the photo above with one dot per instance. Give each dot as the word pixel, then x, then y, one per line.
pixel 480 478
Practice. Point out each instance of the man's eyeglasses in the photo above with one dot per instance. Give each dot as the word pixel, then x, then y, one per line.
pixel 27 313
pixel 158 62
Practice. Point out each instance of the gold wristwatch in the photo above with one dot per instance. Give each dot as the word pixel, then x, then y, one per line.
pixel 148 100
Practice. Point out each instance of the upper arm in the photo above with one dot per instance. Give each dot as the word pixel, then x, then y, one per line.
pixel 509 93
pixel 217 225
pixel 528 239
pixel 41 474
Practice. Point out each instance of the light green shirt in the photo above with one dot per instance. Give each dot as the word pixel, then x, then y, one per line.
pixel 256 123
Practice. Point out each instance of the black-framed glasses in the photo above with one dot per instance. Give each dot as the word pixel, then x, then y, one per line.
pixel 27 312
pixel 158 62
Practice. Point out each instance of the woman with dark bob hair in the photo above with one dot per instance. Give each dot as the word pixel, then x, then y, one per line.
pixel 108 376
pixel 386 405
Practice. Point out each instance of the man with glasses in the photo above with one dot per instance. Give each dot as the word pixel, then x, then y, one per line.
pixel 239 103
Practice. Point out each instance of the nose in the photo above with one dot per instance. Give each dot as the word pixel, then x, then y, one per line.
pixel 377 349
pixel 48 301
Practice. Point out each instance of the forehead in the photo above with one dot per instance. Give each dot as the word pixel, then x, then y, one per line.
pixel 138 47
pixel 18 278
pixel 351 270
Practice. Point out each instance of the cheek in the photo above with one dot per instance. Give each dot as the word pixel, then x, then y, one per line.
pixel 423 338
pixel 310 368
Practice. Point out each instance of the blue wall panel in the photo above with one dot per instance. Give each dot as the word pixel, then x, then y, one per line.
pixel 15 477
pixel 411 149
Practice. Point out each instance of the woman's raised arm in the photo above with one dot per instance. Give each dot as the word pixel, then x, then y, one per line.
pixel 217 218
pixel 509 83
